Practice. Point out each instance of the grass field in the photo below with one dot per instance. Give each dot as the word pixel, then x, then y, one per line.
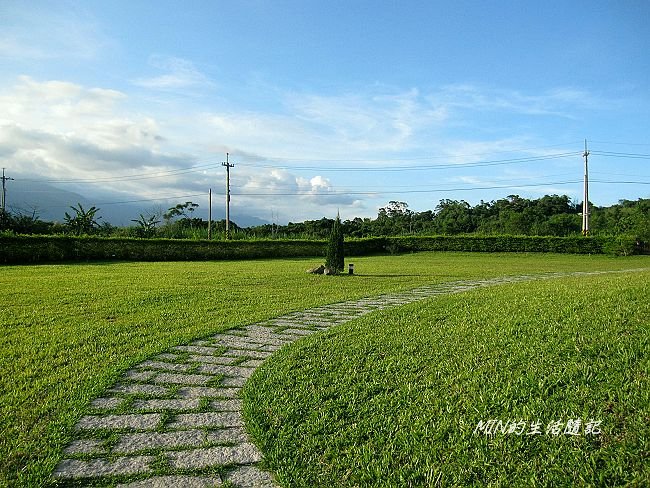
pixel 69 331
pixel 404 398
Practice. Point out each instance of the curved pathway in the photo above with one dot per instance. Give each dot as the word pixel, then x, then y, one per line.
pixel 175 420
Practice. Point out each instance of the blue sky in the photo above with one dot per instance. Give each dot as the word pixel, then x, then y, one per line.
pixel 326 106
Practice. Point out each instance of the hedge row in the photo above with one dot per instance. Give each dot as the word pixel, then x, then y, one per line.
pixel 36 249
pixel 502 243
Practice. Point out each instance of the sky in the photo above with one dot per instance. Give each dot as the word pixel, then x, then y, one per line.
pixel 324 106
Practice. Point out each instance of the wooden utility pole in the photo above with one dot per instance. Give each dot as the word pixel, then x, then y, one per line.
pixel 228 166
pixel 4 189
pixel 210 214
pixel 585 202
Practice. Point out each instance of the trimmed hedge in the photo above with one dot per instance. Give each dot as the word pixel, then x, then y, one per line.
pixel 37 249
pixel 502 243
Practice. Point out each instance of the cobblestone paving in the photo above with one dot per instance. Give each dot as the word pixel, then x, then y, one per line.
pixel 170 421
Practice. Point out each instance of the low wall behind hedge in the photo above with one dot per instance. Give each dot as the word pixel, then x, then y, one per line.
pixel 37 249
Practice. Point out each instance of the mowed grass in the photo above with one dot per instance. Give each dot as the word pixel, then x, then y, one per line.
pixel 395 398
pixel 69 331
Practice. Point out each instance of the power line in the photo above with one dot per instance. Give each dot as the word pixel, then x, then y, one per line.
pixel 434 190
pixel 203 167
pixel 497 162
pixel 623 143
pixel 140 200
pixel 622 155
pixel 422 158
pixel 142 176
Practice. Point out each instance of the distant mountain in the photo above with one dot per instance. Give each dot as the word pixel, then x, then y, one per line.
pixel 50 203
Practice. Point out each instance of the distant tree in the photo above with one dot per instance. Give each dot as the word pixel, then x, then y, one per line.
pixel 394 219
pixel 28 222
pixel 453 217
pixel 564 224
pixel 83 221
pixel 395 209
pixel 335 259
pixel 184 210
pixel 6 222
pixel 146 225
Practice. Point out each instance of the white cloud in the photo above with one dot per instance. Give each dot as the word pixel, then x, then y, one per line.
pixel 560 102
pixel 61 130
pixel 57 129
pixel 316 127
pixel 34 33
pixel 64 129
pixel 177 74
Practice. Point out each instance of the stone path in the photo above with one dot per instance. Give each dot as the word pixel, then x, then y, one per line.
pixel 175 420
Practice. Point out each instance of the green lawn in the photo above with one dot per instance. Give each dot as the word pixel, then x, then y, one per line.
pixel 395 399
pixel 69 331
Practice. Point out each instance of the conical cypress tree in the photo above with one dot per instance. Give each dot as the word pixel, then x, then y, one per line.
pixel 334 259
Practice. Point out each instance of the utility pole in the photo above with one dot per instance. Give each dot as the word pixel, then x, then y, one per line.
pixel 585 203
pixel 4 189
pixel 210 214
pixel 228 166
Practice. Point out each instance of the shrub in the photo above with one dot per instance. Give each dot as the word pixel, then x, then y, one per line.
pixel 334 259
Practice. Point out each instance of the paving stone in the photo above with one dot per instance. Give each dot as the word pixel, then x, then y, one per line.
pixel 85 446
pixel 107 403
pixel 207 392
pixel 175 481
pixel 167 404
pixel 252 363
pixel 236 381
pixel 250 476
pixel 130 443
pixel 300 332
pixel 127 421
pixel 275 339
pixel 166 356
pixel 212 359
pixel 236 371
pixel 201 342
pixel 235 435
pixel 259 331
pixel 76 468
pixel 310 325
pixel 238 338
pixel 165 366
pixel 136 375
pixel 206 419
pixel 291 337
pixel 140 389
pixel 239 344
pixel 205 350
pixel 277 322
pixel 214 456
pixel 226 405
pixel 248 353
pixel 253 339
pixel 182 379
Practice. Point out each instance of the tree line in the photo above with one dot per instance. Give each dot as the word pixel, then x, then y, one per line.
pixel 550 215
